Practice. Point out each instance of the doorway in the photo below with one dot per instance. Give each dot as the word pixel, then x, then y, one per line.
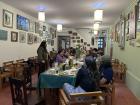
pixel 63 42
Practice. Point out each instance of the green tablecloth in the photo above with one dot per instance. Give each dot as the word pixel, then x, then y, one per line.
pixel 55 81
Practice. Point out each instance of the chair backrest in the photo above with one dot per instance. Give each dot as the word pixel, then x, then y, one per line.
pixel 20 61
pixel 8 65
pixel 81 98
pixel 18 92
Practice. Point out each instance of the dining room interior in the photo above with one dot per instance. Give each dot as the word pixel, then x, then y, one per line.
pixel 69 52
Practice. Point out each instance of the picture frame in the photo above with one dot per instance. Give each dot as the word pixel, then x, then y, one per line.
pixel 14 36
pixel 35 39
pixel 77 37
pixel 3 35
pixel 132 24
pixel 85 43
pixel 32 26
pixel 72 37
pixel 22 37
pixel 30 38
pixel 82 40
pixel 74 41
pixel 23 23
pixel 37 27
pixel 49 41
pixel 69 32
pixel 52 42
pixel 44 28
pixel 78 41
pixel 7 19
pixel 74 34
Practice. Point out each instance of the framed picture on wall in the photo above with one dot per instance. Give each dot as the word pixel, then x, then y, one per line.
pixel 77 37
pixel 35 39
pixel 3 35
pixel 14 36
pixel 69 32
pixel 132 24
pixel 22 37
pixel 7 19
pixel 23 23
pixel 74 41
pixel 32 26
pixel 72 37
pixel 37 27
pixel 30 38
pixel 82 40
pixel 78 41
pixel 85 43
pixel 52 42
pixel 74 34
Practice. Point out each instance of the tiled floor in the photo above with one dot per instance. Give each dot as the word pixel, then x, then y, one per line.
pixel 123 96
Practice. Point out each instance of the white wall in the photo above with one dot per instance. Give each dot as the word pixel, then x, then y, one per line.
pixel 15 50
pixel 87 36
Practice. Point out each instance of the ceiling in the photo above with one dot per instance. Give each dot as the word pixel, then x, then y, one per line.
pixel 72 13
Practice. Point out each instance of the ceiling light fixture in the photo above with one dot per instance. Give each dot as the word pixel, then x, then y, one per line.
pixel 98 15
pixel 41 16
pixel 96 26
pixel 59 27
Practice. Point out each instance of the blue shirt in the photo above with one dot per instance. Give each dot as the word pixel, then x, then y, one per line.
pixel 107 73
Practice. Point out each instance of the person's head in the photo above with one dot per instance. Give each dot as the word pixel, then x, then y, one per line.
pixel 95 50
pixel 43 43
pixel 61 52
pixel 106 61
pixel 90 63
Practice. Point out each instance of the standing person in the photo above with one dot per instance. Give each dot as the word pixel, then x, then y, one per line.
pixel 42 57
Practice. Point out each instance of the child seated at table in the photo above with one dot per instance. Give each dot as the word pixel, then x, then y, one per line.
pixel 87 78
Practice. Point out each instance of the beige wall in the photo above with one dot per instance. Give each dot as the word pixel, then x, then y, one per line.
pixel 130 56
pixel 15 50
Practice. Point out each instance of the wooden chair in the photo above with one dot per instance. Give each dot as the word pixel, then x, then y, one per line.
pixel 27 76
pixel 20 95
pixel 19 67
pixel 90 98
pixel 123 72
pixel 8 71
pixel 108 91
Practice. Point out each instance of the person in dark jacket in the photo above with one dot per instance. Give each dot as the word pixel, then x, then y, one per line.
pixel 87 77
pixel 106 71
pixel 43 57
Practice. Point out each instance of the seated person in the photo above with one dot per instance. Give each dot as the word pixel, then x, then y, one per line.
pixel 60 57
pixel 106 71
pixel 87 78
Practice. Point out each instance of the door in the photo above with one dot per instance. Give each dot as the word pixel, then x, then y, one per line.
pixel 63 42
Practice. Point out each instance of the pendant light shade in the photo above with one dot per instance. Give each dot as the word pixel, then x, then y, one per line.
pixel 96 26
pixel 41 16
pixel 98 15
pixel 59 27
